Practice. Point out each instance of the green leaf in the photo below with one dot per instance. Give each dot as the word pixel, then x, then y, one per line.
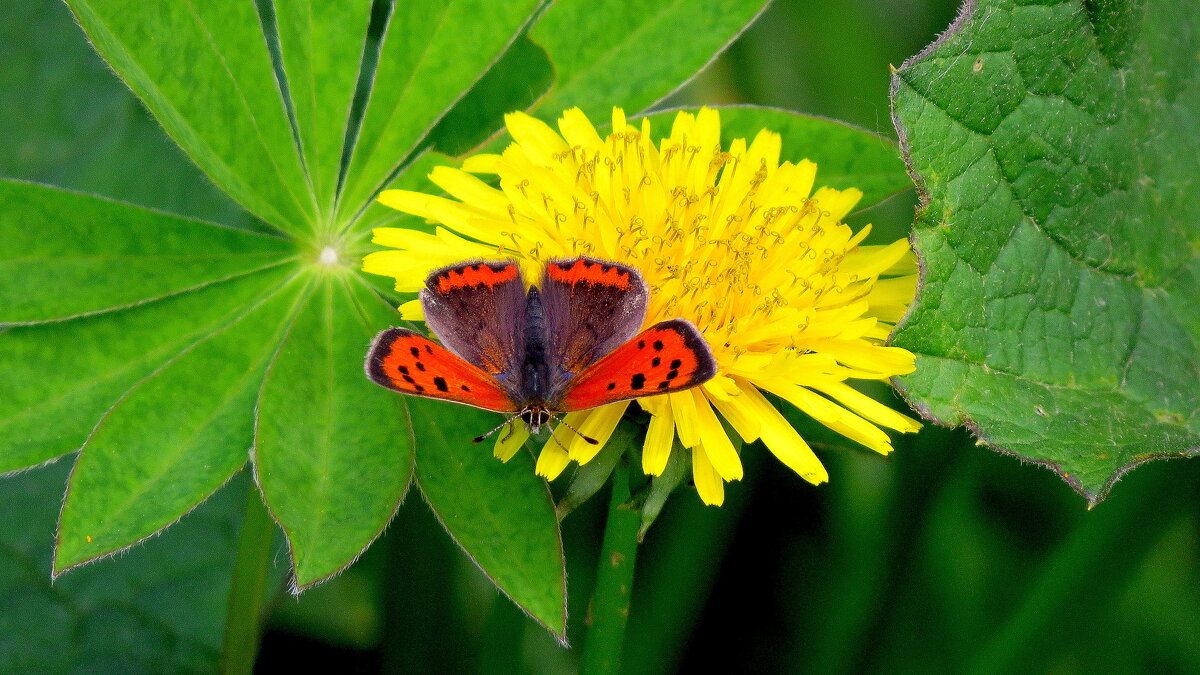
pixel 846 156
pixel 432 53
pixel 68 120
pixel 514 82
pixel 59 378
pixel 321 43
pixel 158 609
pixel 414 177
pixel 1056 147
pixel 68 254
pixel 173 439
pixel 500 514
pixel 629 55
pixel 204 71
pixel 333 450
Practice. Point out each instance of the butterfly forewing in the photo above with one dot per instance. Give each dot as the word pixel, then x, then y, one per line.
pixel 411 363
pixel 669 356
pixel 477 309
pixel 591 308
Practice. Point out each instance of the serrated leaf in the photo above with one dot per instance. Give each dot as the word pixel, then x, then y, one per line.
pixel 172 440
pixel 431 54
pixel 629 55
pixel 333 450
pixel 501 514
pixel 321 44
pixel 204 71
pixel 846 156
pixel 68 254
pixel 59 378
pixel 158 609
pixel 1056 147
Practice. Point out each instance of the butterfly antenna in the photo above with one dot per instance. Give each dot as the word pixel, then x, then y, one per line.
pixel 479 439
pixel 578 433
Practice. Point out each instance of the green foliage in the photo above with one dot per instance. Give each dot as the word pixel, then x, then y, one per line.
pixel 1056 149
pixel 332 451
pixel 159 608
pixel 616 53
pixel 430 55
pixel 205 73
pixel 174 438
pixel 501 514
pixel 76 254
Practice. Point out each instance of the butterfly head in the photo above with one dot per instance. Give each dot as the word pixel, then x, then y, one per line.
pixel 535 415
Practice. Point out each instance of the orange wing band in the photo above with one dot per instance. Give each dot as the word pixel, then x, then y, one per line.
pixel 473 274
pixel 669 356
pixel 411 363
pixel 584 269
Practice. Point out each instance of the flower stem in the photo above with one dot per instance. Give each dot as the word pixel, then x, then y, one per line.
pixel 609 609
pixel 244 622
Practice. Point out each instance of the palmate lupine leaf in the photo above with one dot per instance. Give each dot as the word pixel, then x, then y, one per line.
pixel 1057 146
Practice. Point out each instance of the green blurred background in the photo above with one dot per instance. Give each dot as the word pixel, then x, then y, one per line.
pixel 944 556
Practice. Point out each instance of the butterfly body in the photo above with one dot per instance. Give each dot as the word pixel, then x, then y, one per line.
pixel 568 343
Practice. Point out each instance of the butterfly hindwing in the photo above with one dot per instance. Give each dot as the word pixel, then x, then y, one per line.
pixel 411 363
pixel 591 307
pixel 669 356
pixel 477 310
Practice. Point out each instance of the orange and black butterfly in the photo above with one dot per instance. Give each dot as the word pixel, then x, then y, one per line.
pixel 569 343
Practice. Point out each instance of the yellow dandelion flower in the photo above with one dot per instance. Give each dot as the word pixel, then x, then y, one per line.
pixel 729 238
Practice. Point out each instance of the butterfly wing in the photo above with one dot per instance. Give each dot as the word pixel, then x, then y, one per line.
pixel 591 307
pixel 477 310
pixel 411 363
pixel 666 357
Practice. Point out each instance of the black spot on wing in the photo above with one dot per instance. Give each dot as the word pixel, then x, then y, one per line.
pixel 440 383
pixel 637 381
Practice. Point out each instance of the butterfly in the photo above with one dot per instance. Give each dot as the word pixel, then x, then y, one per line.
pixel 569 343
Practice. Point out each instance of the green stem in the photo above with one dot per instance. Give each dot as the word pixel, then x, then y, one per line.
pixel 244 622
pixel 609 610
